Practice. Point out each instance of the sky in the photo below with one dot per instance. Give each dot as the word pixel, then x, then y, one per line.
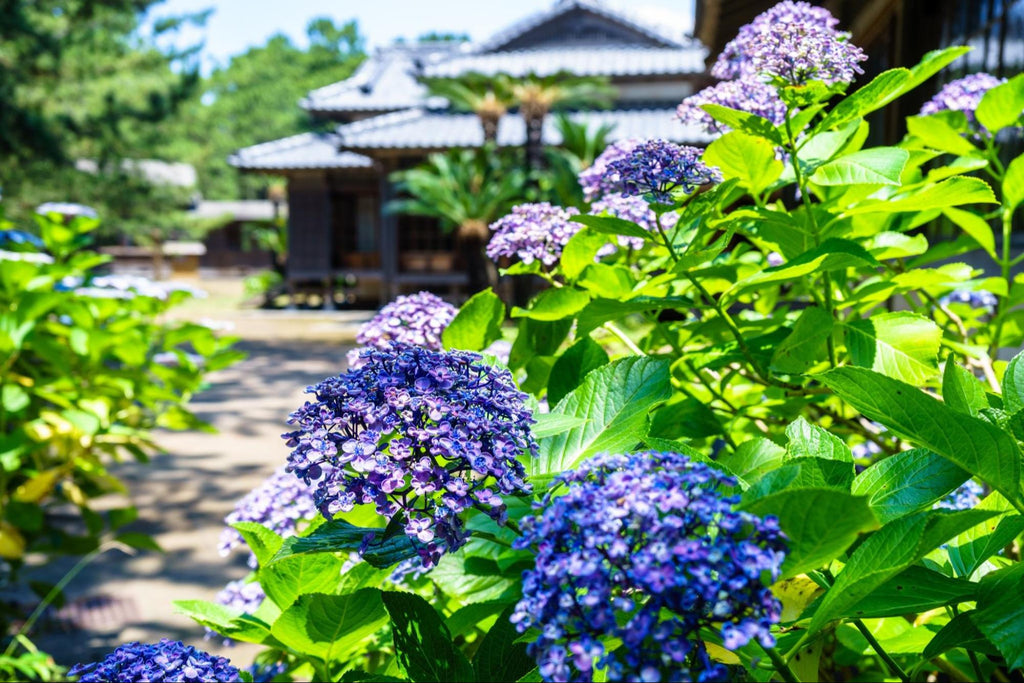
pixel 238 24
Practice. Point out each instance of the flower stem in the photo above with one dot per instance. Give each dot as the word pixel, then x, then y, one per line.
pixel 894 668
pixel 781 667
pixel 1004 265
pixel 630 344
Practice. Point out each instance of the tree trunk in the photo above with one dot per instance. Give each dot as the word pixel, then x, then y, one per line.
pixel 480 271
pixel 490 126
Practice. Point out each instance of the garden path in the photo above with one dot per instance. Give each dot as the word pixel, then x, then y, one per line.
pixel 183 494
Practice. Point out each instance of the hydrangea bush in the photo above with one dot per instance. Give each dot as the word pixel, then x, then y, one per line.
pixel 783 429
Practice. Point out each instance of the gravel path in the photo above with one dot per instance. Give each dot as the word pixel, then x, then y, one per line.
pixel 184 494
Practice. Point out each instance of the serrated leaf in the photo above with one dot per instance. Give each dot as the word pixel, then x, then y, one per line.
pixel 807 440
pixel 806 345
pixel 745 122
pixel 749 159
pixel 882 89
pixel 962 391
pixel 500 658
pixel 1001 106
pixel 284 581
pixel 904 346
pixel 971 443
pixel 907 482
pixel 477 324
pixel 610 225
pixel 552 304
pixel 580 251
pixel 263 542
pixel 874 166
pixel 330 627
pixel 226 621
pixel 600 311
pixel 572 366
pixel 614 400
pixel 969 551
pixel 952 192
pixel 422 642
pixel 913 591
pixel 337 535
pixel 833 254
pixel 938 134
pixel 1013 384
pixel 549 424
pixel 976 227
pixel 1013 184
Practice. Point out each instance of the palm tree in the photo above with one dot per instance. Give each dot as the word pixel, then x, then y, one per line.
pixel 581 144
pixel 486 96
pixel 467 190
pixel 537 96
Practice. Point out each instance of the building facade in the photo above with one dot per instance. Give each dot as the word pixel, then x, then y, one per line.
pixel 338 182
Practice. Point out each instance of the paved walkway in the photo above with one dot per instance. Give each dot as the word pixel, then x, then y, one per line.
pixel 184 494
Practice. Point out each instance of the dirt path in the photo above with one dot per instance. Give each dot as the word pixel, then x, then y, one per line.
pixel 184 494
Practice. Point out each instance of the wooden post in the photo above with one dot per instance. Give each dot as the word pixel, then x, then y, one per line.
pixel 388 242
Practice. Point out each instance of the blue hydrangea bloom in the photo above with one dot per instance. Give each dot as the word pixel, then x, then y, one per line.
pixel 980 299
pixel 595 180
pixel 533 232
pixel 963 94
pixel 426 434
pixel 656 167
pixel 417 319
pixel 965 497
pixel 645 549
pixel 280 503
pixel 746 94
pixel 20 237
pixel 168 660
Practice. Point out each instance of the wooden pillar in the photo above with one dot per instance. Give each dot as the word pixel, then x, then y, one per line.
pixel 388 242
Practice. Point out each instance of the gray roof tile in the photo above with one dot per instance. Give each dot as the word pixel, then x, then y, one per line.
pixel 581 61
pixel 308 150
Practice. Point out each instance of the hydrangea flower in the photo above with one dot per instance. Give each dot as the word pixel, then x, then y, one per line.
pixel 981 299
pixel 421 433
pixel 243 596
pixel 965 497
pixel 126 287
pixel 595 180
pixel 168 660
pixel 26 257
pixel 417 319
pixel 533 232
pixel 646 549
pixel 20 237
pixel 745 94
pixel 657 167
pixel 279 503
pixel 635 210
pixel 963 94
pixel 792 41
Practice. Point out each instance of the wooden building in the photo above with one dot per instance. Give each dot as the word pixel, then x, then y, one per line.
pixel 338 181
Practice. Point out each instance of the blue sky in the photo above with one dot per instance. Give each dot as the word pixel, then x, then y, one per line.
pixel 238 24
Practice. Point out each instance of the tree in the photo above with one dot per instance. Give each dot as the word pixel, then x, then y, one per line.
pixel 489 97
pixel 537 96
pixel 467 190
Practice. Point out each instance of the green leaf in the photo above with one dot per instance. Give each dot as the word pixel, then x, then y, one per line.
pixel 549 424
pixel 1000 613
pixel 572 366
pixel 580 251
pixel 833 254
pixel 1013 384
pixel 819 523
pixel 338 535
pixel 609 281
pixel 937 134
pixel 951 192
pixel 477 324
pixel 901 345
pixel 932 63
pixel 969 551
pixel 883 88
pixel 912 591
pixel 890 245
pixel 615 400
pixel 139 541
pixel 422 642
pixel 907 482
pixel 263 542
pixel 962 391
pixel 806 345
pixel 225 621
pixel 556 303
pixel 1013 184
pixel 749 159
pixel 471 579
pixel 746 122
pixel 285 580
pixel 976 227
pixel 959 632
pixel 600 311
pixel 1001 106
pixel 807 441
pixel 971 443
pixel 875 166
pixel 610 225
pixel 754 458
pixel 886 553
pixel 13 398
pixel 331 628
pixel 500 658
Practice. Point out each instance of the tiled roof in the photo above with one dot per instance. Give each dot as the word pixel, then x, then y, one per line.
pixel 308 150
pixel 505 36
pixel 581 61
pixel 430 130
pixel 384 82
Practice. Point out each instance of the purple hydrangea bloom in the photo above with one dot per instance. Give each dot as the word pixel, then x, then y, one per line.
pixel 801 52
pixel 963 94
pixel 417 319
pixel 423 433
pixel 242 596
pixel 736 59
pixel 657 167
pixel 980 299
pixel 168 660
pixel 965 497
pixel 279 503
pixel 533 232
pixel 595 180
pixel 646 549
pixel 746 94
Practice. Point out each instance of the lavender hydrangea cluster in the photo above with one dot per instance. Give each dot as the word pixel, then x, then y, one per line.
pixel 279 503
pixel 635 210
pixel 168 660
pixel 533 232
pixel 416 432
pixel 965 497
pixel 745 94
pixel 980 299
pixel 657 167
pixel 646 549
pixel 596 180
pixel 963 94
pixel 794 42
pixel 417 319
